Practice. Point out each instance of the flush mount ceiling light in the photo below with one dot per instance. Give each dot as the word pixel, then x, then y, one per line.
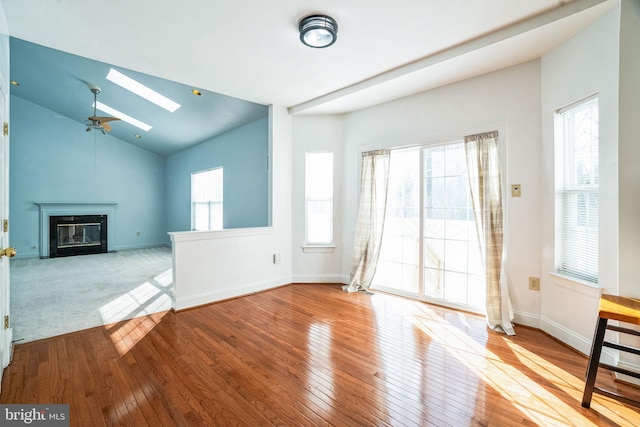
pixel 318 31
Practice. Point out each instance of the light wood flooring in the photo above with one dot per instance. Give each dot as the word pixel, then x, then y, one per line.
pixel 307 355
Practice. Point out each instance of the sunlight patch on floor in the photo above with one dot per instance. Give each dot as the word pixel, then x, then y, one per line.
pixel 532 399
pixel 149 297
pixel 574 387
pixel 144 306
pixel 125 335
pixel 320 382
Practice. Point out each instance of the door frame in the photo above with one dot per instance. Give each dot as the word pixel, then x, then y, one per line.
pixel 6 332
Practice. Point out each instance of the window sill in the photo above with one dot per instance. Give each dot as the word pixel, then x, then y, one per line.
pixel 318 248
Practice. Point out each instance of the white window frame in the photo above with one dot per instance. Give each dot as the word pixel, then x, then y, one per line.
pixel 577 229
pixel 213 202
pixel 326 177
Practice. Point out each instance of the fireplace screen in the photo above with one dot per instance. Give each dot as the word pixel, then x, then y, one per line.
pixel 77 235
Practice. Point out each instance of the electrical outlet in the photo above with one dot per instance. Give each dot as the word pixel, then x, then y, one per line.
pixel 534 283
pixel 276 258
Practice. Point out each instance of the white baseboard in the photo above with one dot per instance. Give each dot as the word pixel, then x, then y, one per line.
pixel 227 293
pixel 526 319
pixel 626 378
pixel 318 278
pixel 36 254
pixel 28 255
pixel 580 343
pixel 566 336
pixel 143 246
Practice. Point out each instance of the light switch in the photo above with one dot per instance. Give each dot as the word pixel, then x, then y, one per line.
pixel 516 190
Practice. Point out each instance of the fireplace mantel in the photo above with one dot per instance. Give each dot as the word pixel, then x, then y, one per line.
pixel 48 209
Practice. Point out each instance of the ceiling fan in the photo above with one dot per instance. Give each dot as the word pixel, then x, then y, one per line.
pixel 96 122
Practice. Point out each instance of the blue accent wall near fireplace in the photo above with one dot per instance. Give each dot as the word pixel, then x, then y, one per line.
pixel 53 159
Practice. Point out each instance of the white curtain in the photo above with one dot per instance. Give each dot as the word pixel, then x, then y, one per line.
pixel 374 180
pixel 483 165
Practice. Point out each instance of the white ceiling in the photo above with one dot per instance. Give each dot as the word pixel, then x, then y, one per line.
pixel 251 49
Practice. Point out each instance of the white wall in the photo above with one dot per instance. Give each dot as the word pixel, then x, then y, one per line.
pixel 317 133
pixel 508 101
pixel 585 65
pixel 215 265
pixel 629 149
pixel 629 159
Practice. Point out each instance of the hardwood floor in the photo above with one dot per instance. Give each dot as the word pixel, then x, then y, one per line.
pixel 306 355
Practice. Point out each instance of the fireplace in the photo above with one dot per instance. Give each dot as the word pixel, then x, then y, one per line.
pixel 77 235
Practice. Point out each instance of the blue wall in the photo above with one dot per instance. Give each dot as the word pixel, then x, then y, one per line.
pixel 55 160
pixel 243 155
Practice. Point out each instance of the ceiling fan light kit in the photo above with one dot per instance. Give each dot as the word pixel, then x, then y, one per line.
pixel 318 31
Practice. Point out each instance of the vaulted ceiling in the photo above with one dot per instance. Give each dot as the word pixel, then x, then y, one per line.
pixel 237 51
pixel 61 83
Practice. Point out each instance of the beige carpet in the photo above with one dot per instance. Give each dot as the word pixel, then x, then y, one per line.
pixel 59 295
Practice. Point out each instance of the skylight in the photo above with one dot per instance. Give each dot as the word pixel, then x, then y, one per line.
pixel 141 90
pixel 122 116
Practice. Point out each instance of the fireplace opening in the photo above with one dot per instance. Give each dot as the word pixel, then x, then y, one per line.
pixel 77 235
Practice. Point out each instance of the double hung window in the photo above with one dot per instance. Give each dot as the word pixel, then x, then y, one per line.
pixel 319 198
pixel 207 200
pixel 577 183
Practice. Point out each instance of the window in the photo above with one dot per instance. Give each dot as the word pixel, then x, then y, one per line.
pixel 578 182
pixel 206 200
pixel 319 198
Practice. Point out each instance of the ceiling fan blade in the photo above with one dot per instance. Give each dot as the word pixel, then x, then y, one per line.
pixel 107 119
pixel 102 119
pixel 106 127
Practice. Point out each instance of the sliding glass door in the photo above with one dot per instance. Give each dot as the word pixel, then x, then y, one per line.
pixel 430 247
